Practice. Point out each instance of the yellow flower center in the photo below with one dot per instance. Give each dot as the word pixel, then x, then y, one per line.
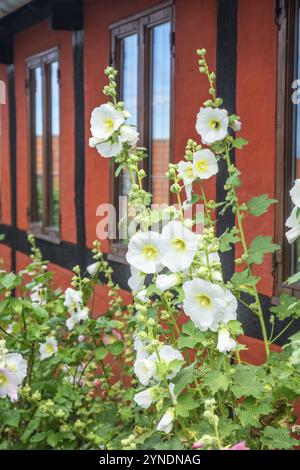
pixel 150 251
pixel 204 300
pixel 49 348
pixel 109 124
pixel 189 172
pixel 3 379
pixel 214 124
pixel 179 244
pixel 202 166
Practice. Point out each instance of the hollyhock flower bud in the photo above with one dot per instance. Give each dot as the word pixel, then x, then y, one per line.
pixel 239 446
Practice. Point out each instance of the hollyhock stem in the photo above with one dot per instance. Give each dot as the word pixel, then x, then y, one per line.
pixel 245 250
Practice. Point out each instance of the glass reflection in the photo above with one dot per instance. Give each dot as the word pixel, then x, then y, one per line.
pixel 55 129
pixel 160 111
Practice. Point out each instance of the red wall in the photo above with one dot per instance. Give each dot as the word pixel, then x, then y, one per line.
pixel 195 24
pixel 256 95
pixel 195 28
pixel 27 43
pixel 4 156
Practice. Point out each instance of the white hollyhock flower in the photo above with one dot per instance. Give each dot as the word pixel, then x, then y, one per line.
pixel 144 369
pixel 145 398
pixel 295 193
pixel 48 349
pixel 166 422
pixel 202 302
pixel 229 306
pixel 171 388
pixel 105 120
pixel 142 295
pixel 167 354
pixel 293 222
pixel 178 246
pixel 212 124
pixel 77 316
pixel 16 364
pixel 108 148
pixel 166 281
pixel 293 234
pixel 129 134
pixel 225 342
pixel 93 268
pixel 204 164
pixel 136 280
pixel 8 384
pixel 185 171
pixel 140 348
pixel 73 299
pixel 144 252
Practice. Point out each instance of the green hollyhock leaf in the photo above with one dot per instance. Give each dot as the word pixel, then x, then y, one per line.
pixel 250 411
pixel 101 353
pixel 247 381
pixel 10 418
pixel 278 438
pixel 239 143
pixel 191 337
pixel 39 437
pixel 259 205
pixel 288 307
pixel 184 377
pixel 186 403
pixel 216 380
pixel 10 281
pixel 116 348
pixel 259 247
pixel 244 279
pixel 228 238
pixel 293 279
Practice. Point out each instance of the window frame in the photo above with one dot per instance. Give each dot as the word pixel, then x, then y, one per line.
pixel 43 229
pixel 141 24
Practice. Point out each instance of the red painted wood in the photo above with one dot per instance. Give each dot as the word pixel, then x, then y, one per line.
pixel 5 214
pixel 256 94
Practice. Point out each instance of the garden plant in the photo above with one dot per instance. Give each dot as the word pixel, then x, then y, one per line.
pixel 183 380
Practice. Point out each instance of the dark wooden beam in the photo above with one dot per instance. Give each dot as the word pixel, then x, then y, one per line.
pixel 226 88
pixel 79 136
pixel 67 15
pixel 6 45
pixel 13 160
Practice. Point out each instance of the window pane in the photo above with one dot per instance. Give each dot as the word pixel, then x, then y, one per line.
pixel 38 146
pixel 55 130
pixel 160 111
pixel 130 75
pixel 129 91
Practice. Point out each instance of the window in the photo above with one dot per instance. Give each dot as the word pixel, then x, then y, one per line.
pixel 142 51
pixel 44 144
pixel 288 137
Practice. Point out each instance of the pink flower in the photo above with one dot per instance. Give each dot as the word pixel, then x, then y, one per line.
pixel 117 334
pixel 97 383
pixel 108 339
pixel 197 445
pixel 239 446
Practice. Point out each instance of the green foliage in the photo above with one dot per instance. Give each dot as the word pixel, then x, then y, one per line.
pixel 259 247
pixel 260 205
